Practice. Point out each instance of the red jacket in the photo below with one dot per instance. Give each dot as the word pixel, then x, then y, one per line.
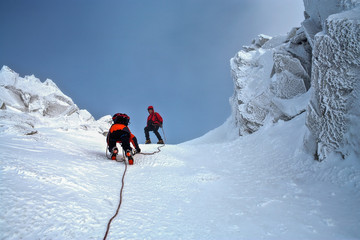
pixel 154 119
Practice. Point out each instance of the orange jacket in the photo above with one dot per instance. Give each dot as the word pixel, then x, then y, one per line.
pixel 121 127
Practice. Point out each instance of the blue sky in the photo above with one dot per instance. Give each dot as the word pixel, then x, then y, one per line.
pixel 121 56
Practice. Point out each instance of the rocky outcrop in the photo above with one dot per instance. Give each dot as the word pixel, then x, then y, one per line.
pixel 314 68
pixel 270 77
pixel 333 117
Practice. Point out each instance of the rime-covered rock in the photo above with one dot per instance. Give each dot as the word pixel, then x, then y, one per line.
pixel 314 68
pixel 269 76
pixel 333 117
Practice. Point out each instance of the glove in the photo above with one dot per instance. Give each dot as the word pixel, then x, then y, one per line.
pixel 138 150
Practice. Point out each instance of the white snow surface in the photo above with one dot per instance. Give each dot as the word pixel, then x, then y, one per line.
pixel 58 184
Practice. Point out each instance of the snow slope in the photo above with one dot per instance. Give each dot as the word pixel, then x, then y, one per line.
pixel 57 184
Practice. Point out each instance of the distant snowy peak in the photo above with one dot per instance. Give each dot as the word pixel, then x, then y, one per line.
pixel 44 101
pixel 29 94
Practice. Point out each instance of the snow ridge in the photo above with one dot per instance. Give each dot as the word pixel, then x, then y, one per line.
pixel 35 103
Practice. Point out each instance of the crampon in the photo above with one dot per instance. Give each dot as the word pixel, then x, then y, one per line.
pixel 129 157
pixel 114 154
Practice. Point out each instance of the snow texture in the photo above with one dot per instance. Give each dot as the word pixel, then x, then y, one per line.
pixel 58 184
pixel 314 68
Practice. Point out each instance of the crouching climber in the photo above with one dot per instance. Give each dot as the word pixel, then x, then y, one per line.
pixel 119 132
pixel 154 121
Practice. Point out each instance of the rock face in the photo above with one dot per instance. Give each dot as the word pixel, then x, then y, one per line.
pixel 41 104
pixel 314 68
pixel 270 77
pixel 333 117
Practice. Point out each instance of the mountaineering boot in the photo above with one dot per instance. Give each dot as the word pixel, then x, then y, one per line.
pixel 129 157
pixel 114 153
pixel 160 142
pixel 138 150
pixel 148 141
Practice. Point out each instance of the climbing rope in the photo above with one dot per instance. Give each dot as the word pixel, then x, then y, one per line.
pixel 158 149
pixel 152 153
pixel 108 155
pixel 123 182
pixel 122 185
pixel 121 191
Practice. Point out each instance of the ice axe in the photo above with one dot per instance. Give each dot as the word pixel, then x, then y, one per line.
pixel 162 128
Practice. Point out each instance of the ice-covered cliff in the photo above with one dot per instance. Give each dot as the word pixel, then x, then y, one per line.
pixel 271 78
pixel 27 103
pixel 333 117
pixel 314 68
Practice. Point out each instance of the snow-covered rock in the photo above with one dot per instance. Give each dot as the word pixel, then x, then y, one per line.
pixel 29 94
pixel 314 68
pixel 268 76
pixel 41 104
pixel 333 117
pixel 317 11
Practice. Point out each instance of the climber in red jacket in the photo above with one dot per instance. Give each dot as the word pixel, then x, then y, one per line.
pixel 154 121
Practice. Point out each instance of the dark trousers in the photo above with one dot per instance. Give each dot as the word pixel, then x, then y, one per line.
pixel 124 139
pixel 154 129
